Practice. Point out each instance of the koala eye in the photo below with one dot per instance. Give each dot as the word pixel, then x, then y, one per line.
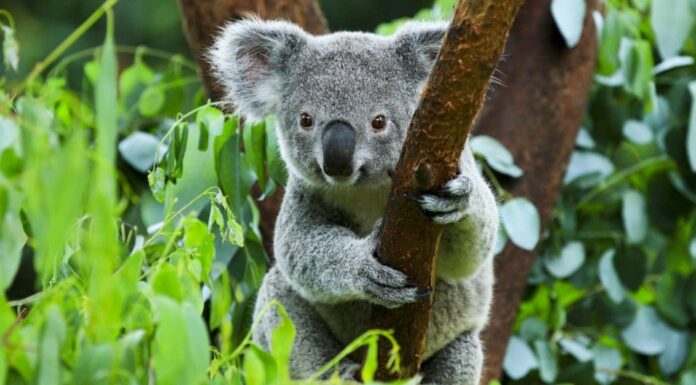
pixel 306 121
pixel 379 122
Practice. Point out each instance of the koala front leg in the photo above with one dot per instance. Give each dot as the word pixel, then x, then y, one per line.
pixel 328 263
pixel 469 210
pixel 458 363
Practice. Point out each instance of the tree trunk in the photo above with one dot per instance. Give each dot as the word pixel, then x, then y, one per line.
pixel 439 128
pixel 202 20
pixel 536 115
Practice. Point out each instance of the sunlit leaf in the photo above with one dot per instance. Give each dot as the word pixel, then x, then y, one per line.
pixel 672 21
pixel 571 258
pixel 647 334
pixel 569 16
pixel 495 154
pixel 521 221
pixel 519 359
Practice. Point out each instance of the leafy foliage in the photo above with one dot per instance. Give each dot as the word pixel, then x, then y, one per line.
pixel 142 226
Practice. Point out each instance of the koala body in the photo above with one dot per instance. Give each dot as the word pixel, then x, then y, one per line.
pixel 343 104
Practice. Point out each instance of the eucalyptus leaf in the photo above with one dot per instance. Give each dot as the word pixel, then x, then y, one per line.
pixel 569 16
pixel 548 361
pixel 519 359
pixel 691 130
pixel 521 222
pixel 583 163
pixel 647 334
pixel 139 150
pixel 672 21
pixel 606 360
pixel 637 132
pixel 672 63
pixel 674 356
pixel 609 278
pixel 495 154
pixel 571 258
pixel 635 216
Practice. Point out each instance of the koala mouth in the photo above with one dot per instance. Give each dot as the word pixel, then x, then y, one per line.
pixel 358 177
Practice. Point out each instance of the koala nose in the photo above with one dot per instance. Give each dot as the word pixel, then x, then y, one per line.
pixel 338 146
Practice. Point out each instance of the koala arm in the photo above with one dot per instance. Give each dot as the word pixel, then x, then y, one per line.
pixel 468 243
pixel 326 262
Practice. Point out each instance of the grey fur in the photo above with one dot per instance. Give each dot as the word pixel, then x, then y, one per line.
pixel 326 275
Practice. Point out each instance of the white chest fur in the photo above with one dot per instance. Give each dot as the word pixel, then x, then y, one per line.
pixel 365 205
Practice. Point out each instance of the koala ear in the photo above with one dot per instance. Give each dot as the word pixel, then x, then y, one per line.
pixel 418 43
pixel 248 59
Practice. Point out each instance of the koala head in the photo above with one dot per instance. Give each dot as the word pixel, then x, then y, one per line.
pixel 343 101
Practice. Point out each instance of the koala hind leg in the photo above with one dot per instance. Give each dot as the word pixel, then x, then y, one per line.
pixel 458 363
pixel 314 344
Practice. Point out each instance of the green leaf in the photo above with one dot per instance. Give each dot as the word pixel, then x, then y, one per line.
pixel 584 139
pixel 585 163
pixel 637 132
pixel 276 167
pixel 691 133
pixel 548 361
pixel 630 263
pixel 151 101
pixel 672 359
pixel 53 334
pixel 221 299
pixel 672 63
pixel 569 16
pixel 199 242
pixel 672 21
pixel 519 359
pixel 568 262
pixel 635 216
pixel 496 155
pixel 576 348
pixel 647 334
pixel 12 236
pixel 10 48
pixel 254 137
pixel 609 278
pixel 165 281
pixel 606 359
pixel 180 354
pixel 94 364
pixel 254 368
pixel 671 292
pixel 636 65
pixel 282 339
pixel 521 221
pixel 139 150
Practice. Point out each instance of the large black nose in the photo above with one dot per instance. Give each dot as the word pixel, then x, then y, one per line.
pixel 338 145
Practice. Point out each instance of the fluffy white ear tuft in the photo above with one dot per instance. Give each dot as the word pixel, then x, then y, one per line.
pixel 419 42
pixel 248 59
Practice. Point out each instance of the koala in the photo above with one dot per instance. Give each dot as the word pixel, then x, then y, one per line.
pixel 343 103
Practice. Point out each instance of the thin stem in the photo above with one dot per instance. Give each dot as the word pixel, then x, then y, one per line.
pixel 632 375
pixel 123 49
pixel 658 161
pixel 8 16
pixel 500 191
pixel 67 43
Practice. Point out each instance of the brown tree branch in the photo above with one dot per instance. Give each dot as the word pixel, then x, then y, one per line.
pixel 439 128
pixel 536 115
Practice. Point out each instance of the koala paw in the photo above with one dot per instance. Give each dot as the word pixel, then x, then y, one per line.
pixel 448 205
pixel 388 287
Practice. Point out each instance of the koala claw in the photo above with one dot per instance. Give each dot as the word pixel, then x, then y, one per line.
pixel 388 287
pixel 448 205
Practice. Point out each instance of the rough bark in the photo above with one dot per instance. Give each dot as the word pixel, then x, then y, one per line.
pixel 439 128
pixel 203 18
pixel 536 115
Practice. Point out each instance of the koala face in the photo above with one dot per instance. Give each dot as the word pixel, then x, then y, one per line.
pixel 343 101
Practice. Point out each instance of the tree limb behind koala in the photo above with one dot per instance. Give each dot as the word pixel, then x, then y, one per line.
pixel 450 101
